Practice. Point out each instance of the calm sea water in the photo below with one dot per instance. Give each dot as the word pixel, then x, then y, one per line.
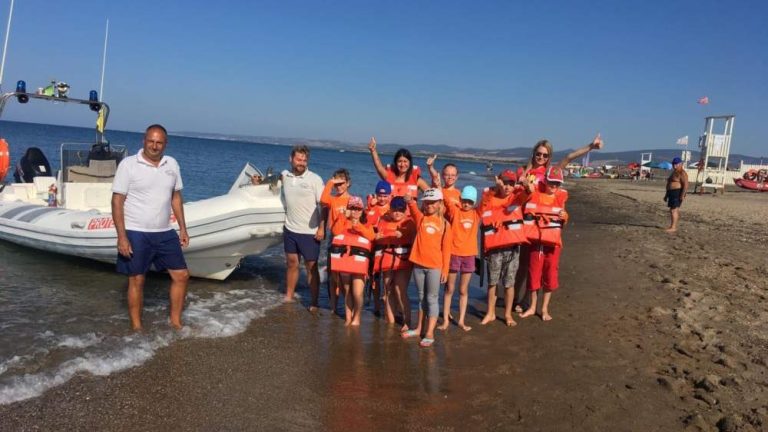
pixel 61 316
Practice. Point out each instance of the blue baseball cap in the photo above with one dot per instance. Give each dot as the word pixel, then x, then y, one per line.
pixel 469 193
pixel 383 188
pixel 398 203
pixel 676 161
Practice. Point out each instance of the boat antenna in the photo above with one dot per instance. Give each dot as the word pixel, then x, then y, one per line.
pixel 103 62
pixel 5 44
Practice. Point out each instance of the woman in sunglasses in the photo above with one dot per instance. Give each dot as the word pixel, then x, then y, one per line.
pixel 541 159
pixel 534 174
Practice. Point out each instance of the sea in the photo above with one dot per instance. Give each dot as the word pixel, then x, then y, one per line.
pixel 62 316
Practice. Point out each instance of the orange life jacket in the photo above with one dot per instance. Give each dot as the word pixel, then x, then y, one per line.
pixel 391 252
pixel 408 187
pixel 542 222
pixel 5 158
pixel 502 227
pixel 350 253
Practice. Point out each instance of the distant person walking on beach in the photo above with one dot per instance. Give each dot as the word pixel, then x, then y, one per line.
pixel 146 188
pixel 677 186
pixel 304 224
pixel 403 175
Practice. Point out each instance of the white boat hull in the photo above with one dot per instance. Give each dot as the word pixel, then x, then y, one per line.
pixel 223 230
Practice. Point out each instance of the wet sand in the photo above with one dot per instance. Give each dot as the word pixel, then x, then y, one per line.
pixel 651 332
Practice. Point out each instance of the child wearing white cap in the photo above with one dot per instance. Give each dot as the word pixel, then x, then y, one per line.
pixel 430 255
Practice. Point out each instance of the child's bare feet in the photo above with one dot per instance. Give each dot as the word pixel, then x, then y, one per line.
pixel 510 321
pixel 545 316
pixel 529 312
pixel 355 323
pixel 489 317
pixel 443 326
pixel 464 327
pixel 312 308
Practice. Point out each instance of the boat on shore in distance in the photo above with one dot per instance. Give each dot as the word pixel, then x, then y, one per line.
pixel 69 212
pixel 756 180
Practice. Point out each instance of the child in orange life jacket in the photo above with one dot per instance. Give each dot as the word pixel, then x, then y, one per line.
pixel 395 232
pixel 378 206
pixel 351 249
pixel 378 203
pixel 334 197
pixel 547 210
pixel 446 181
pixel 503 259
pixel 431 255
pixel 465 220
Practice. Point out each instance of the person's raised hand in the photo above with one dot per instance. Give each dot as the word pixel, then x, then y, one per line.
pixel 408 198
pixel 597 143
pixel 431 160
pixel 372 145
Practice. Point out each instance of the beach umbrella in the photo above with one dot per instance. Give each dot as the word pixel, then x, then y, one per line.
pixel 652 164
pixel 665 165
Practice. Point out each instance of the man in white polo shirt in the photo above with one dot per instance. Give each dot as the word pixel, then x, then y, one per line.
pixel 146 188
pixel 304 224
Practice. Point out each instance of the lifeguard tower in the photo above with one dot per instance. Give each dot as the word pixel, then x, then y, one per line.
pixel 715 147
pixel 644 159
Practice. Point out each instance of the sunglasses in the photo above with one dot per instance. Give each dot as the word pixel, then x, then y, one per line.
pixel 508 183
pixel 542 155
pixel 398 209
pixel 354 208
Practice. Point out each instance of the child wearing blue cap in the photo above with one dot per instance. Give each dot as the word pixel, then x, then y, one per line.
pixel 378 206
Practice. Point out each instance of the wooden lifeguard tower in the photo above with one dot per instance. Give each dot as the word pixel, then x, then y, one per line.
pixel 715 147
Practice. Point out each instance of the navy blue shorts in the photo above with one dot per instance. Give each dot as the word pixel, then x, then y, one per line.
pixel 674 198
pixel 302 244
pixel 161 249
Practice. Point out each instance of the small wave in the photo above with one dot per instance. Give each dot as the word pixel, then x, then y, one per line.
pixel 221 315
pixel 11 362
pixel 84 341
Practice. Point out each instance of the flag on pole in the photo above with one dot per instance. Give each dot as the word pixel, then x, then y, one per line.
pixel 683 140
pixel 703 100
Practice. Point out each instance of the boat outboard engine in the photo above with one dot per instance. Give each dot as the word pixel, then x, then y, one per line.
pixel 32 164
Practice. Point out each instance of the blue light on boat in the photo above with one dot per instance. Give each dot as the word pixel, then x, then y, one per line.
pixel 21 89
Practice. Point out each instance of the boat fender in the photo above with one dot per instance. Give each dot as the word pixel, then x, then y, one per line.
pixel 5 158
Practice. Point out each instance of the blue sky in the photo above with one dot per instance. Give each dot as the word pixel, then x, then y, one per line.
pixel 466 73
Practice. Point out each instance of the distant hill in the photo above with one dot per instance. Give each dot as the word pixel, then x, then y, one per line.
pixel 514 155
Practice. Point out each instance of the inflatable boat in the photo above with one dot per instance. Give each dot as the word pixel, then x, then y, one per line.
pixel 70 212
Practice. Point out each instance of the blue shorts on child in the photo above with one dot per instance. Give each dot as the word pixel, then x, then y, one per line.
pixel 161 249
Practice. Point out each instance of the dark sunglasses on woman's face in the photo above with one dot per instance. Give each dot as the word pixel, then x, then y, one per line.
pixel 542 155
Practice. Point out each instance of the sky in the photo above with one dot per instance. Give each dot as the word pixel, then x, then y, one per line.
pixel 490 74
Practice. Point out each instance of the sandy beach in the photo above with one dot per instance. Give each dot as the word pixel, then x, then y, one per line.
pixel 651 331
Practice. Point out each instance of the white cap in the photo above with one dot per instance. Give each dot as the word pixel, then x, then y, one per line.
pixel 432 195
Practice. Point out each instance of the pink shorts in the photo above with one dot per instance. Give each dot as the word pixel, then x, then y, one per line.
pixel 462 264
pixel 543 263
